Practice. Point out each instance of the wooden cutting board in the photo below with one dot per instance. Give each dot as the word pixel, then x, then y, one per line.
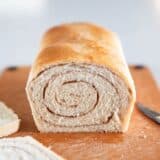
pixel 141 142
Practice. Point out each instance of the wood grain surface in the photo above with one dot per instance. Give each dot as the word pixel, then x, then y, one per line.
pixel 141 142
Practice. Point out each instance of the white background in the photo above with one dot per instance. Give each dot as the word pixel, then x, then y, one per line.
pixel 137 22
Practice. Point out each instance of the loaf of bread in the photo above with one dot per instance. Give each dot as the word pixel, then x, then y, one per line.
pixel 26 148
pixel 80 81
pixel 9 121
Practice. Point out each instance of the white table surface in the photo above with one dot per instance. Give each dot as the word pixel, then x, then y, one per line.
pixel 137 22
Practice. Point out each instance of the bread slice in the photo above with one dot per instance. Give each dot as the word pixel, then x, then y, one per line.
pixel 9 121
pixel 25 148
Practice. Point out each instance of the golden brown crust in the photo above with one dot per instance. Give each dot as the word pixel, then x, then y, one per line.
pixel 86 43
pixel 100 47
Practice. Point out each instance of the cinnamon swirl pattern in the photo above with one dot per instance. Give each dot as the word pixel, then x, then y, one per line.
pixel 23 148
pixel 74 88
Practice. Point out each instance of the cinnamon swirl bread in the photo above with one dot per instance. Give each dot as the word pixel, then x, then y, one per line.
pixel 80 81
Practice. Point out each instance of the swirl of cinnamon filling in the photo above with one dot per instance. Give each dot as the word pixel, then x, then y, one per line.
pixel 77 95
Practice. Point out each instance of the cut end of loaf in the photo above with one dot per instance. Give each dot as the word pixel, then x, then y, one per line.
pixel 79 97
